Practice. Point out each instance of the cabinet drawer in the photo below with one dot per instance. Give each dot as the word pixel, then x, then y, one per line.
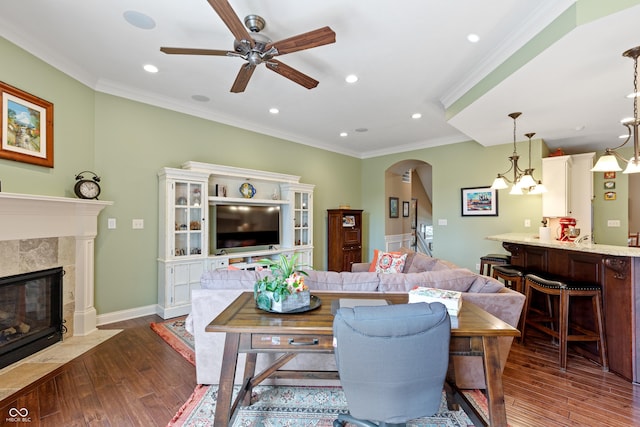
pixel 292 342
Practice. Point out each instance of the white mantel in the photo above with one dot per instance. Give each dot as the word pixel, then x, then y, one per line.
pixel 27 216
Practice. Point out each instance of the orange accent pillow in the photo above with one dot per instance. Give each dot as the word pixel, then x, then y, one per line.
pixel 387 262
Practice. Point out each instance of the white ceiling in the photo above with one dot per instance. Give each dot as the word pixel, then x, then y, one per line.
pixel 410 56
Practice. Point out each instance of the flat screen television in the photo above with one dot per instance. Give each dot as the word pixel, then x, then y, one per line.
pixel 245 227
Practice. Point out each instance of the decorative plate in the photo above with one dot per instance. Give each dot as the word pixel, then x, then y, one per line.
pixel 314 302
pixel 247 190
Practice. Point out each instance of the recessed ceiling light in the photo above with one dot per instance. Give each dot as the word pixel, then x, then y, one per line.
pixel 473 38
pixel 627 120
pixel 139 20
pixel 200 98
pixel 344 134
pixel 633 95
pixel 150 68
pixel 362 130
pixel 351 78
pixel 416 115
pixel 579 128
pixel 274 110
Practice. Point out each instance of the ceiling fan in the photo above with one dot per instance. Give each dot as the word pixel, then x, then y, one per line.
pixel 255 48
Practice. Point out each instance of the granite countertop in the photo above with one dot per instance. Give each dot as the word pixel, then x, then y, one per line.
pixel 533 240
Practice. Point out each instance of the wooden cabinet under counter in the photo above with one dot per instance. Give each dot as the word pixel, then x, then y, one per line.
pixel 616 269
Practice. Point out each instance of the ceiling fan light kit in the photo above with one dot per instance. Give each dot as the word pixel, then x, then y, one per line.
pixel 256 48
pixel 609 161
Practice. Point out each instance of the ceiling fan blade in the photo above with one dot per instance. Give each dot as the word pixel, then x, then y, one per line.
pixel 242 79
pixel 303 41
pixel 231 20
pixel 292 74
pixel 189 51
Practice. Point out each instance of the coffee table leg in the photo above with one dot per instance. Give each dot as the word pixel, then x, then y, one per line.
pixel 227 378
pixel 493 379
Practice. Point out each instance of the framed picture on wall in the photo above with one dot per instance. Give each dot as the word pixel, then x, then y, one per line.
pixel 405 209
pixel 26 127
pixel 393 207
pixel 479 201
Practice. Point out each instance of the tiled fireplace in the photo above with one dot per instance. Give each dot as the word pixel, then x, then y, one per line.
pixel 43 232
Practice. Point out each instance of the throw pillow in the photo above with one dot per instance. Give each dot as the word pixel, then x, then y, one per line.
pixel 387 262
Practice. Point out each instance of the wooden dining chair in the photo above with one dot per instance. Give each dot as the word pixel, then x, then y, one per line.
pixel 634 239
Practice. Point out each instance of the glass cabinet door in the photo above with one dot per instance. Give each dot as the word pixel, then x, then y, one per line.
pixel 302 231
pixel 188 219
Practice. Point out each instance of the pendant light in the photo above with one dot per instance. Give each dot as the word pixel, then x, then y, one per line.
pixel 522 179
pixel 609 161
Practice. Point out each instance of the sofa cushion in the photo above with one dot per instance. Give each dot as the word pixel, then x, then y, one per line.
pixel 362 282
pixel 387 262
pixel 457 279
pixel 485 285
pixel 231 279
pixel 421 262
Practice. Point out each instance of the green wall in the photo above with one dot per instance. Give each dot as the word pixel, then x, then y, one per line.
pixel 126 143
pixel 456 166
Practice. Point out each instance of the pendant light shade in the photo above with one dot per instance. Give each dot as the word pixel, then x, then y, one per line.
pixel 609 161
pixel 523 180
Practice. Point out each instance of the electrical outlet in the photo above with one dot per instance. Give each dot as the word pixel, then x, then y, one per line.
pixel 137 224
pixel 527 223
pixel 442 222
pixel 613 223
pixel 477 267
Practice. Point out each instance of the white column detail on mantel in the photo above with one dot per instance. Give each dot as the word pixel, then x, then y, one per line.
pixel 27 216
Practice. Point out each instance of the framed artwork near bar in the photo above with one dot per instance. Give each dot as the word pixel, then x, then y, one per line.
pixel 26 127
pixel 393 207
pixel 479 201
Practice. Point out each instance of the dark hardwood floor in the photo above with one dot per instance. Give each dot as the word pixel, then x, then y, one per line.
pixel 135 379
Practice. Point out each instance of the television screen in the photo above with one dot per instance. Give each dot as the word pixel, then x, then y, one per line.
pixel 245 226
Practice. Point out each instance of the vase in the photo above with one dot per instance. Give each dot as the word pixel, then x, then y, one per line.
pixel 265 301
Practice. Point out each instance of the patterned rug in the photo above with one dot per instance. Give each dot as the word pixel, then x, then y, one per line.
pixel 289 406
pixel 173 333
pixel 293 407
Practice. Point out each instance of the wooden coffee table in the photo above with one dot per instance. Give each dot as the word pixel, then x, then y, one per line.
pixel 251 330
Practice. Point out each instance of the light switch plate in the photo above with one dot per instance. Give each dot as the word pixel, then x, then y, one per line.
pixel 111 223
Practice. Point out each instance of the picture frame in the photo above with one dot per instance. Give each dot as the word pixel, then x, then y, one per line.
pixel 610 195
pixel 479 201
pixel 609 175
pixel 405 209
pixel 393 207
pixel 609 185
pixel 348 220
pixel 26 125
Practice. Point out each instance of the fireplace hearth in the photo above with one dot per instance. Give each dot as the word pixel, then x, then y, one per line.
pixel 30 313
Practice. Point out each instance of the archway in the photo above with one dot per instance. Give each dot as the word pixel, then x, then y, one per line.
pixel 409 210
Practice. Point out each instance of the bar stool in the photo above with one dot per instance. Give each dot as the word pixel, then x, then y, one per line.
pixel 565 291
pixel 512 275
pixel 493 259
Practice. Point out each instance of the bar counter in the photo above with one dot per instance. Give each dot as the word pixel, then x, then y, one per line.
pixel 615 268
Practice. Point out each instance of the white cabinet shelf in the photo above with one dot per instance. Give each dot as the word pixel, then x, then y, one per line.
pixel 185 196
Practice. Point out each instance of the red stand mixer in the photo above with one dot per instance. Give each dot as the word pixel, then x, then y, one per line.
pixel 567 231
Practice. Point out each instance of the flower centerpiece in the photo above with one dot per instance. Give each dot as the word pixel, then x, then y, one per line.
pixel 284 290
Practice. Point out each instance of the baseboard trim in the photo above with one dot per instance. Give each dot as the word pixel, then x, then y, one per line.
pixel 119 316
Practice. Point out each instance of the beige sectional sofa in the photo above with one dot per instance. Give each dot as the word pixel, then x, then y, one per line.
pixel 220 288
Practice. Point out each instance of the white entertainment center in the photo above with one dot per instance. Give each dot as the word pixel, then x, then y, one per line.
pixel 186 196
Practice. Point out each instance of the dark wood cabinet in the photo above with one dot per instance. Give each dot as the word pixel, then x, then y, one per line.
pixel 618 277
pixel 344 238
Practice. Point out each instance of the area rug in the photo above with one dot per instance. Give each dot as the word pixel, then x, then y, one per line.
pixel 283 405
pixel 172 331
pixel 292 406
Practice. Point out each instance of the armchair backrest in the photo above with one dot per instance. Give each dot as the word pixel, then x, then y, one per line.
pixel 392 359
